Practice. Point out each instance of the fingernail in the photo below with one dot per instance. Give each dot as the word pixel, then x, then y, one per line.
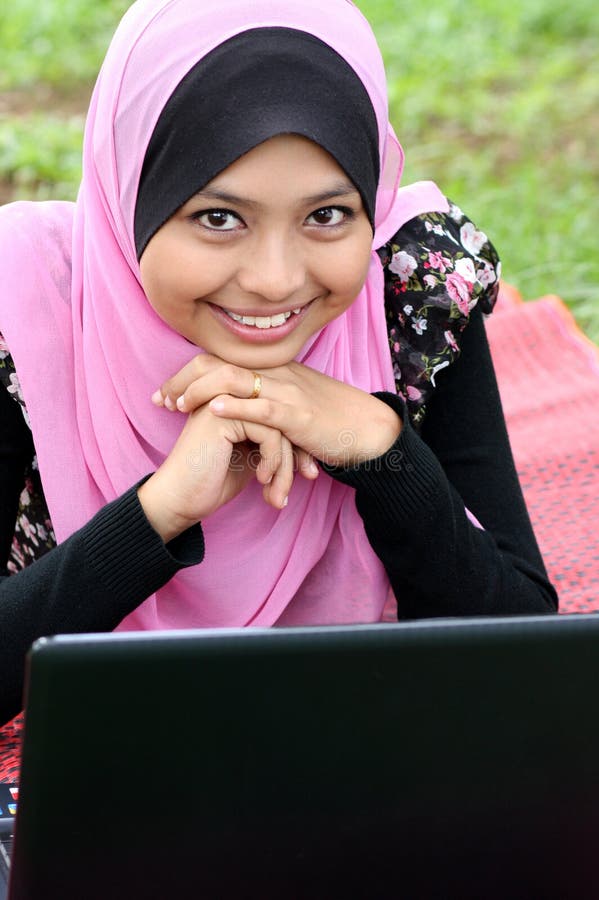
pixel 169 404
pixel 285 502
pixel 181 401
pixel 157 398
pixel 217 405
pixel 313 468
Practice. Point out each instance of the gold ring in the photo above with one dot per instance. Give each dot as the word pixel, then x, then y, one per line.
pixel 257 386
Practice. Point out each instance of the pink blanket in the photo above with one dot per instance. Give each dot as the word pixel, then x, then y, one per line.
pixel 548 374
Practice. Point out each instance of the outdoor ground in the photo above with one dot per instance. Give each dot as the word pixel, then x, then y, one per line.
pixel 498 102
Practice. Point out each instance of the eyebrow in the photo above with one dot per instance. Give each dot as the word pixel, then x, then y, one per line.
pixel 340 189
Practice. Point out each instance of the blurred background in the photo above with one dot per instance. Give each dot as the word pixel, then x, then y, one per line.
pixel 496 101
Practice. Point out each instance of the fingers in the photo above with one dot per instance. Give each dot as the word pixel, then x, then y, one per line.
pixel 305 464
pixel 278 484
pixel 287 415
pixel 170 390
pixel 341 426
pixel 203 378
pixel 276 460
pixel 271 453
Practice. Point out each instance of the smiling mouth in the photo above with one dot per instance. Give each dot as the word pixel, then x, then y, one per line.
pixel 263 321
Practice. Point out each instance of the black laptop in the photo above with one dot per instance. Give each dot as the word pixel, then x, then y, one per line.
pixel 448 759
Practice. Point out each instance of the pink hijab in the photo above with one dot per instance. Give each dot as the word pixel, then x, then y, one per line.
pixel 92 350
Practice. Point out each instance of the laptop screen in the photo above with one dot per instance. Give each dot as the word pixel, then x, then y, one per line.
pixel 429 759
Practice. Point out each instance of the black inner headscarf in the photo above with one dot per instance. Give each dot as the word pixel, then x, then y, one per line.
pixel 263 82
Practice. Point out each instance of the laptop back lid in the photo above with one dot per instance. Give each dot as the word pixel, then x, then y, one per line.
pixel 440 759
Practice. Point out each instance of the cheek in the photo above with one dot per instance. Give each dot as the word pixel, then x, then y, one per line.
pixel 155 267
pixel 176 277
pixel 350 271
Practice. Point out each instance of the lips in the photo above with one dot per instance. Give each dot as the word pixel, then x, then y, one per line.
pixel 261 329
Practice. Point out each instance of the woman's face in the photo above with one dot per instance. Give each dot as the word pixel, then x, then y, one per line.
pixel 259 260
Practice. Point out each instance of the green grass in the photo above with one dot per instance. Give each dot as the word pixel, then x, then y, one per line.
pixel 498 102
pixel 42 153
pixel 59 42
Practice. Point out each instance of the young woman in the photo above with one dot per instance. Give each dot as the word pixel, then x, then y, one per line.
pixel 311 337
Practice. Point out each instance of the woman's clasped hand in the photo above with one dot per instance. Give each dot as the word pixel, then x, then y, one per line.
pixel 299 416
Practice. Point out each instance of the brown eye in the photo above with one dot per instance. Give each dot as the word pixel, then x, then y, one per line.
pixel 329 216
pixel 218 219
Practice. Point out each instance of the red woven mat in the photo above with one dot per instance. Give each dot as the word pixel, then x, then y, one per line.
pixel 10 750
pixel 548 374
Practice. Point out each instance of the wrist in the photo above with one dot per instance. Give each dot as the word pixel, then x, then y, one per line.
pixel 166 521
pixel 384 428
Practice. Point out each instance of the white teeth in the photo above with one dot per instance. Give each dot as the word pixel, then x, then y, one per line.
pixel 297 311
pixel 262 321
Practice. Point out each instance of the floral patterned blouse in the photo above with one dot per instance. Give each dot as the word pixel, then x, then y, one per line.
pixel 438 267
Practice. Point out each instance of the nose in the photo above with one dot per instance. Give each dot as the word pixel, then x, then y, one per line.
pixel 273 269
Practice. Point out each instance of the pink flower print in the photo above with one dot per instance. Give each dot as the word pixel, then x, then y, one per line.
pixel 14 387
pixel 450 340
pixel 472 240
pixel 431 281
pixel 419 325
pixel 459 291
pixel 455 212
pixel 4 351
pixel 408 309
pixel 436 229
pixel 413 393
pixel 486 275
pixel 465 268
pixel 438 261
pixel 403 265
pixel 28 529
pixel 17 555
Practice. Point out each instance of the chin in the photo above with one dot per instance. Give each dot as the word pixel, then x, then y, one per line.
pixel 262 361
pixel 259 357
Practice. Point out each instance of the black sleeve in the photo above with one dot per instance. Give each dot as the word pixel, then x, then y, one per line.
pixel 412 502
pixel 88 583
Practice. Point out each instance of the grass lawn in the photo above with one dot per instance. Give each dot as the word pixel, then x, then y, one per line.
pixel 498 102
